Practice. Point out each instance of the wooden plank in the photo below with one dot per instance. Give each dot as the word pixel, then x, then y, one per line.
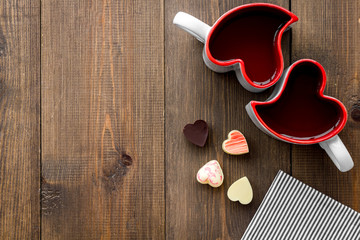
pixel 328 32
pixel 102 120
pixel 19 119
pixel 195 92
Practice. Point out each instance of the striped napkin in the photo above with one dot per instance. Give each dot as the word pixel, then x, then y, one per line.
pixel 293 210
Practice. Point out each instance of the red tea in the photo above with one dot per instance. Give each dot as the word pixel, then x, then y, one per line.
pixel 250 36
pixel 300 112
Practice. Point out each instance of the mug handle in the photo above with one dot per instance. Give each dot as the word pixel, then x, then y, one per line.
pixel 338 153
pixel 192 25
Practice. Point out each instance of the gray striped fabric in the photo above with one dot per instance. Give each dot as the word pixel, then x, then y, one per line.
pixel 293 210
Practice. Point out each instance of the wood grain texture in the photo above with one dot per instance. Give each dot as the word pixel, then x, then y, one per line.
pixel 102 120
pixel 328 32
pixel 19 119
pixel 195 92
pixel 93 102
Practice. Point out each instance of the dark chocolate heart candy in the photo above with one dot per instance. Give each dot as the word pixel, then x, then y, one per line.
pixel 197 133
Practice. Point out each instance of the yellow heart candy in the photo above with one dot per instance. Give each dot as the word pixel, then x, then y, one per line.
pixel 241 191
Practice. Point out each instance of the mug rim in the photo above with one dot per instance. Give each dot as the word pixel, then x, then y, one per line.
pixel 293 18
pixel 321 93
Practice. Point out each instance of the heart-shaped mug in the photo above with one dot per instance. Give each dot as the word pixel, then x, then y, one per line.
pixel 298 112
pixel 246 39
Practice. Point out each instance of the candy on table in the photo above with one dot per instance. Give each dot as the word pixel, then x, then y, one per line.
pixel 211 173
pixel 235 144
pixel 197 133
pixel 241 191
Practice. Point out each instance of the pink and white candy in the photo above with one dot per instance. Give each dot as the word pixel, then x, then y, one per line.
pixel 235 144
pixel 211 173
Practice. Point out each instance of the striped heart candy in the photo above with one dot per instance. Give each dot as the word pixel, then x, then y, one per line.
pixel 235 144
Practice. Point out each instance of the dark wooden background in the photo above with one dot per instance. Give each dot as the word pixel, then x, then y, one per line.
pixel 93 99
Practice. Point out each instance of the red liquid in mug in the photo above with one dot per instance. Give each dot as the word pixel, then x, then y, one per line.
pixel 300 113
pixel 250 36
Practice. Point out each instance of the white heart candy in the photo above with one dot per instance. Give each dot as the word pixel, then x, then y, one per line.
pixel 241 191
pixel 211 173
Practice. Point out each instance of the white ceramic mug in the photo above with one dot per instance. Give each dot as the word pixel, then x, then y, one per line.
pixel 328 140
pixel 244 68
